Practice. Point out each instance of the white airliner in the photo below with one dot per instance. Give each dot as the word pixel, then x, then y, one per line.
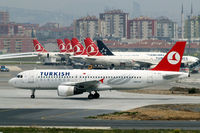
pixel 140 58
pixel 49 57
pixel 95 57
pixel 72 82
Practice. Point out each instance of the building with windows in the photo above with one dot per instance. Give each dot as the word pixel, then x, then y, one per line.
pixel 86 27
pixel 16 44
pixel 4 17
pixel 166 29
pixel 114 24
pixel 142 28
pixel 192 28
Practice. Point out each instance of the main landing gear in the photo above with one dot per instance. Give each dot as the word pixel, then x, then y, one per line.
pixel 93 96
pixel 33 93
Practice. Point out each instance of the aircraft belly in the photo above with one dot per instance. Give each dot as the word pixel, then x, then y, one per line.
pixel 48 84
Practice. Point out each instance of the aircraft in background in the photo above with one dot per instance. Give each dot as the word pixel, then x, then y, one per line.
pixel 154 57
pixel 49 57
pixel 95 57
pixel 79 52
pixel 65 47
pixel 41 52
pixel 73 82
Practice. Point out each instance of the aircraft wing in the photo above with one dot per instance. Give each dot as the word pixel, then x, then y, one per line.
pixel 171 76
pixel 144 63
pixel 63 54
pixel 83 85
pixel 90 58
pixel 76 57
pixel 18 55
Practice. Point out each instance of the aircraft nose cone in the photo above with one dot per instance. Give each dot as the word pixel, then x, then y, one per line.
pixel 11 82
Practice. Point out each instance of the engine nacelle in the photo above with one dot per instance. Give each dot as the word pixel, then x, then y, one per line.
pixel 64 90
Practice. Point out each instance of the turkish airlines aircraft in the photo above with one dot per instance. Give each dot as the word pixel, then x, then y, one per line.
pixel 40 52
pixel 153 59
pixel 65 47
pixel 95 57
pixel 78 50
pixel 73 82
pixel 38 47
pixel 68 45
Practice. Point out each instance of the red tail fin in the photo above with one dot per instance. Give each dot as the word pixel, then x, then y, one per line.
pixel 91 48
pixel 68 45
pixel 38 47
pixel 172 60
pixel 78 48
pixel 61 45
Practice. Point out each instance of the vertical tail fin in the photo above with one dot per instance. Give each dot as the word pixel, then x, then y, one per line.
pixel 61 45
pixel 68 45
pixel 38 47
pixel 103 49
pixel 172 60
pixel 78 48
pixel 91 48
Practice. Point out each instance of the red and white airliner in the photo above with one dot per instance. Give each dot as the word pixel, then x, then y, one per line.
pixel 95 57
pixel 73 82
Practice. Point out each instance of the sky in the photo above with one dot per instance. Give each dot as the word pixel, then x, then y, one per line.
pixel 78 8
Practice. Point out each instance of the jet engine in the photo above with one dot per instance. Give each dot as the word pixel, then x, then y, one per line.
pixel 64 90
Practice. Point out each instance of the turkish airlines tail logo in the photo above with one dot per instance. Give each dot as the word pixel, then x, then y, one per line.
pixel 172 60
pixel 77 47
pixel 173 57
pixel 61 45
pixel 68 45
pixel 91 48
pixel 38 47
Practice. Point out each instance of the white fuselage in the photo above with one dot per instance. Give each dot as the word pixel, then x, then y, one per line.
pixel 108 79
pixel 156 57
pixel 132 59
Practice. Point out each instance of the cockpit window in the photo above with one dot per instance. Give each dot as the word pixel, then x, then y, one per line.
pixel 19 76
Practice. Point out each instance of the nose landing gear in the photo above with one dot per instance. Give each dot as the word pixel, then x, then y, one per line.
pixel 33 94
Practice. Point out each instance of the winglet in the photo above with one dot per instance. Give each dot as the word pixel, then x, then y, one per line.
pixel 172 60
pixel 61 45
pixel 103 48
pixel 91 48
pixel 38 47
pixel 78 48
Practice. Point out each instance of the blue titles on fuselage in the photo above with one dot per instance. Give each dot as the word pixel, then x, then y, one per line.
pixel 54 74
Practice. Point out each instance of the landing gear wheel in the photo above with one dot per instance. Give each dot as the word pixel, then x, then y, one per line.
pixel 96 95
pixel 32 96
pixel 90 96
pixel 33 93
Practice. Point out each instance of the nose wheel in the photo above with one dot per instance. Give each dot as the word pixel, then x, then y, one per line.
pixel 93 96
pixel 33 94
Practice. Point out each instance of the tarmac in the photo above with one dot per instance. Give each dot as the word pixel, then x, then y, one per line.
pixel 48 109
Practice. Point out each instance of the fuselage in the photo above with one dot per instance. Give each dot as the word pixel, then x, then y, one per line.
pixel 156 57
pixel 108 79
pixel 130 59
